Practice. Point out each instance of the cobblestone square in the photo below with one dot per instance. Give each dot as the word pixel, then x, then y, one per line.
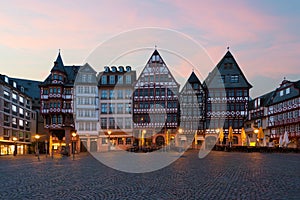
pixel 220 175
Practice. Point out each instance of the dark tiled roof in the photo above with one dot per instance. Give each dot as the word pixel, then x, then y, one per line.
pixel 58 64
pixel 213 77
pixel 70 72
pixel 31 88
pixel 265 100
pixel 193 78
pixel 294 91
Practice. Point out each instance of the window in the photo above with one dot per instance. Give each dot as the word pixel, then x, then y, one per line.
pixel 59 119
pixel 281 93
pixel 111 94
pixel 86 90
pixel 21 111
pixel 6 94
pixel 54 119
pixel 119 108
pixel 120 79
pixel 287 91
pixel 128 79
pixel 127 94
pixel 120 123
pixel 127 123
pixel 104 108
pixel 111 123
pixel 239 93
pixel 14 108
pixel 127 108
pixel 104 94
pixel 111 108
pixel 14 121
pixel 14 96
pixel 14 84
pixel 104 80
pixel 6 79
pixel 120 94
pixel 103 123
pixel 112 79
pixel 234 78
pixel 21 122
pixel 21 99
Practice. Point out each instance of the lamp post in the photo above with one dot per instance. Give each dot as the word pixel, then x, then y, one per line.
pixel 73 144
pixel 15 144
pixel 109 132
pixel 37 137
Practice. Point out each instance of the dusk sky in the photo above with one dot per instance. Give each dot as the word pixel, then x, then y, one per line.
pixel 262 35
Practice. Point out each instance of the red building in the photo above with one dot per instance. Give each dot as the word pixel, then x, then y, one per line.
pixel 57 105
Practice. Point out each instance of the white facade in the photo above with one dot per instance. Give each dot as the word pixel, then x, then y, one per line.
pixel 86 105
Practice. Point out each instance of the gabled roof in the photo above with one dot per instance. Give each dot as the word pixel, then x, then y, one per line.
pixel 58 64
pixel 191 80
pixel 156 65
pixel 226 66
pixel 86 69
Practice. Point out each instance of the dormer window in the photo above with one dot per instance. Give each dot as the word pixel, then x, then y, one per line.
pixel 22 89
pixel 106 69
pixel 234 79
pixel 121 68
pixel 287 90
pixel 128 68
pixel 14 84
pixel 55 77
pixel 113 69
pixel 6 79
pixel 60 77
pixel 281 93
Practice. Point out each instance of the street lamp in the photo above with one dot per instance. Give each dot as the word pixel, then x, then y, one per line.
pixel 37 137
pixel 73 144
pixel 15 143
pixel 109 132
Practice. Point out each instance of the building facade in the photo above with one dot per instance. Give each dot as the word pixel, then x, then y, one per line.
pixel 86 106
pixel 155 105
pixel 257 117
pixel 17 118
pixel 283 114
pixel 115 110
pixel 57 106
pixel 192 113
pixel 227 100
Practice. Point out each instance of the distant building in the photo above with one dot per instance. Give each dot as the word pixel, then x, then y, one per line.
pixel 277 112
pixel 227 100
pixel 18 119
pixel 115 93
pixel 257 117
pixel 155 104
pixel 57 105
pixel 284 113
pixel 192 112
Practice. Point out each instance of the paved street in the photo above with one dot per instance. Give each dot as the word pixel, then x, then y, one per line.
pixel 220 175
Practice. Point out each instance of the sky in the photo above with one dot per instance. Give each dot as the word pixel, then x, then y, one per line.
pixel 263 36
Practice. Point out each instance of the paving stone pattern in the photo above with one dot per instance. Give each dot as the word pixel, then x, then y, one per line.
pixel 220 175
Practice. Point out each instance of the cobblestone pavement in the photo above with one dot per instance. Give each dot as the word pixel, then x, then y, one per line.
pixel 220 175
